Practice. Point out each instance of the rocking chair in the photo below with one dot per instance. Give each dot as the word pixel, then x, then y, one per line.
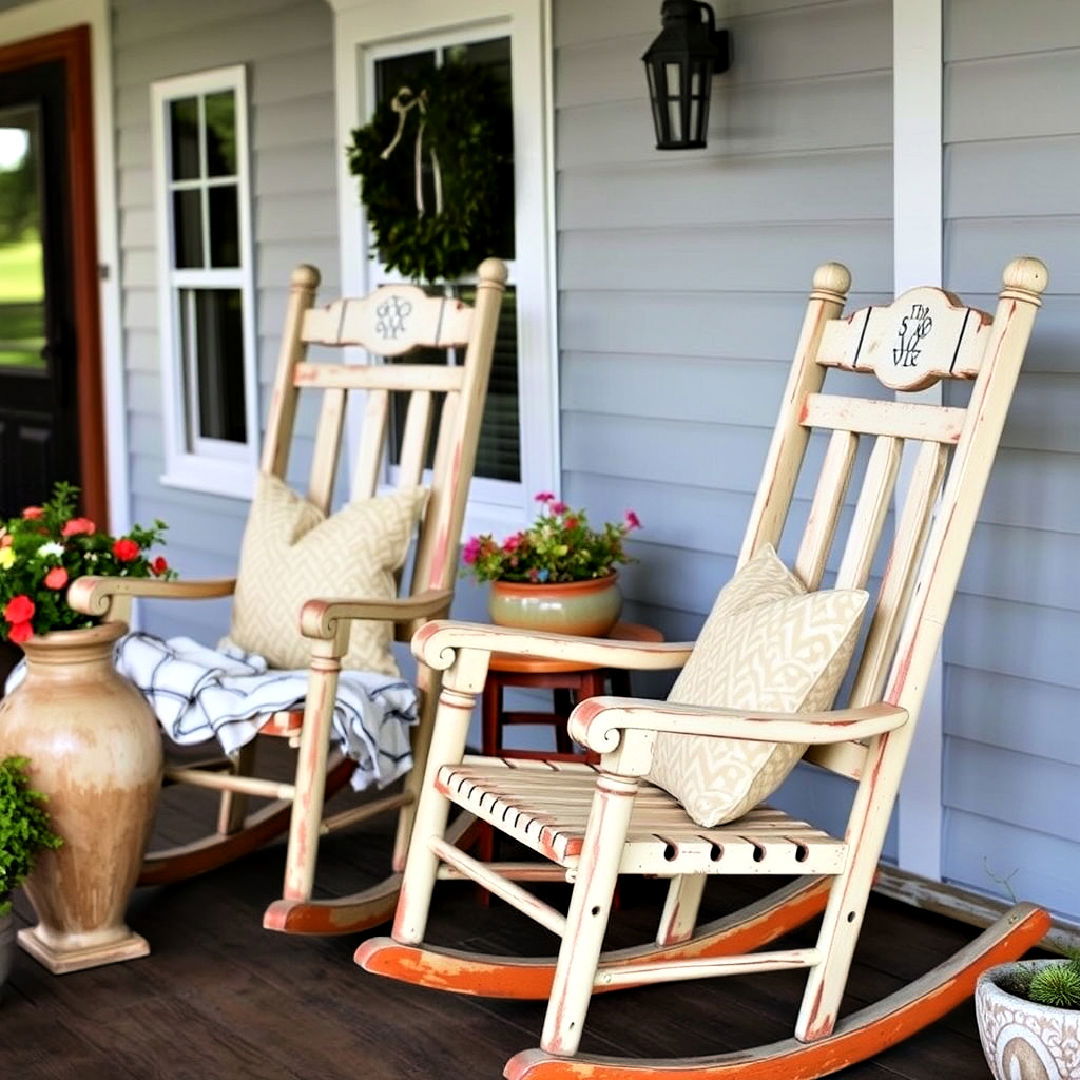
pixel 594 823
pixel 389 322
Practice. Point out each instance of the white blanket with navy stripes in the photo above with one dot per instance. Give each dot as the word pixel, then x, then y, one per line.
pixel 199 693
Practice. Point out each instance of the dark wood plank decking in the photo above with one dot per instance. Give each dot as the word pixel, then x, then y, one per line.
pixel 221 998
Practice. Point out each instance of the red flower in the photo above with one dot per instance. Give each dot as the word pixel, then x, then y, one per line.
pixel 160 566
pixel 632 520
pixel 78 527
pixel 21 631
pixel 19 609
pixel 32 513
pixel 125 549
pixel 512 543
pixel 571 522
pixel 6 540
pixel 56 578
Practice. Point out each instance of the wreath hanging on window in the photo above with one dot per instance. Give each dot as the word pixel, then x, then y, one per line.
pixel 429 168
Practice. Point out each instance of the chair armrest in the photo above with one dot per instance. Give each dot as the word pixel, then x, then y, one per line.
pixel 598 723
pixel 94 595
pixel 437 642
pixel 317 617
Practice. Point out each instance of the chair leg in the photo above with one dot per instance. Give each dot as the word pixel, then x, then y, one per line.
pixel 233 806
pixel 307 810
pixel 590 906
pixel 679 917
pixel 429 684
pixel 848 896
pixel 432 812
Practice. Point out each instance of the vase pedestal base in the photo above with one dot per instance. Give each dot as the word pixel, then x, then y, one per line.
pixel 61 961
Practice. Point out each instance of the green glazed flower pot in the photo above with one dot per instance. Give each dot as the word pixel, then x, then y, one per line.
pixel 582 608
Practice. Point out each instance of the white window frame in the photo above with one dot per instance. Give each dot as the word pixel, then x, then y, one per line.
pixel 214 466
pixel 365 30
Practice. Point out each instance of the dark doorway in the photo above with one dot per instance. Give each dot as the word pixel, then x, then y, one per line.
pixel 50 374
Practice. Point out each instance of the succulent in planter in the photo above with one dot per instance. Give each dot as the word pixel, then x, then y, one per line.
pixel 1029 1018
pixel 24 828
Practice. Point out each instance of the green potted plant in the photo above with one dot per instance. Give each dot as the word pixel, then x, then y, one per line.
pixel 558 574
pixel 1029 1018
pixel 24 831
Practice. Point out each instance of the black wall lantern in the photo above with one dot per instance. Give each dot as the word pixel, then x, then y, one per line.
pixel 680 65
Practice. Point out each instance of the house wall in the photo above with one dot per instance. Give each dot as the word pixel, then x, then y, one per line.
pixel 1012 682
pixel 287 47
pixel 683 276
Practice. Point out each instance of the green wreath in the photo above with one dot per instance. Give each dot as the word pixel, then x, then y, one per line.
pixel 432 172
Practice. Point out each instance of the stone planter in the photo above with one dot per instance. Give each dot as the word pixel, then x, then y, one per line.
pixel 1022 1040
pixel 7 947
pixel 95 752
pixel 585 608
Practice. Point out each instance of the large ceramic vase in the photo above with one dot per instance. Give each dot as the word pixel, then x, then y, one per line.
pixel 95 752
pixel 1023 1040
pixel 585 608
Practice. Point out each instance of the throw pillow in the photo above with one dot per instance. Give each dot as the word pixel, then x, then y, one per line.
pixel 787 652
pixel 293 552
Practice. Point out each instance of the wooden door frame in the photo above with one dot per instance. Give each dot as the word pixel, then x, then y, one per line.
pixel 71 46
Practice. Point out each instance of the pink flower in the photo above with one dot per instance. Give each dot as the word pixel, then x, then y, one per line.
pixel 512 543
pixel 559 507
pixel 6 540
pixel 21 631
pixel 78 527
pixel 32 513
pixel 126 550
pixel 472 550
pixel 632 520
pixel 56 578
pixel 19 609
pixel 545 497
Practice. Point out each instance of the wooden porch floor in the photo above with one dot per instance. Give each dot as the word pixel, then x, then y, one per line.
pixel 220 998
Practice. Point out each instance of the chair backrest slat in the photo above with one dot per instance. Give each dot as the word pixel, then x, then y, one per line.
pixel 327 447
pixel 826 506
pixel 414 441
pixel 925 335
pixel 402 377
pixel 369 460
pixel 870 512
pixel 393 320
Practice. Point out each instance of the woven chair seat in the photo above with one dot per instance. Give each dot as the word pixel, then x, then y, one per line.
pixel 545 805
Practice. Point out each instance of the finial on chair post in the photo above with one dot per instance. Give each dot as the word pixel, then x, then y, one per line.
pixel 305 277
pixel 492 272
pixel 831 282
pixel 1025 278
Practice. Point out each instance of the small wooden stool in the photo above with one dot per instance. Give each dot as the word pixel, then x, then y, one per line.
pixel 570 682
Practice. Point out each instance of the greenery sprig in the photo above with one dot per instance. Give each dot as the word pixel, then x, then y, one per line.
pixel 466 118
pixel 24 827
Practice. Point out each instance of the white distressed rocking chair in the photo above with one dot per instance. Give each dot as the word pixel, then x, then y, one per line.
pixel 595 823
pixel 418 321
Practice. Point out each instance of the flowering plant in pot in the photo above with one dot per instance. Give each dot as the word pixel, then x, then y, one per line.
pixel 24 832
pixel 47 547
pixel 1029 1018
pixel 558 574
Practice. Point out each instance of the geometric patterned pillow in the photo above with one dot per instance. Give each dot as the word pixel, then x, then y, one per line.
pixel 293 553
pixel 787 653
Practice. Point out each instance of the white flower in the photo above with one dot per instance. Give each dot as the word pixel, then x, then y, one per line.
pixel 51 548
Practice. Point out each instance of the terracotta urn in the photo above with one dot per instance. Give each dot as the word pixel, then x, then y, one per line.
pixel 1021 1039
pixel 95 752
pixel 584 608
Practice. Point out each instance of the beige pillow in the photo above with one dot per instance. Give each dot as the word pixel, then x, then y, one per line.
pixel 293 553
pixel 768 645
